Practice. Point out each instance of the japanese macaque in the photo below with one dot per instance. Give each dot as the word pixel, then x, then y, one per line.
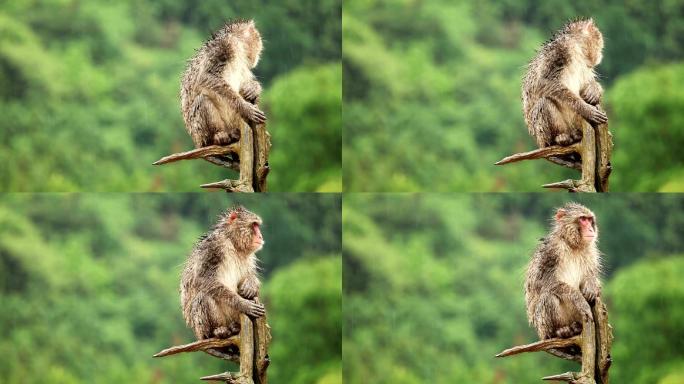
pixel 563 276
pixel 219 281
pixel 219 92
pixel 560 89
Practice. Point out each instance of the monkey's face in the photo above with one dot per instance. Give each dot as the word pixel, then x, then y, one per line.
pixel 244 230
pixel 257 239
pixel 576 224
pixel 587 228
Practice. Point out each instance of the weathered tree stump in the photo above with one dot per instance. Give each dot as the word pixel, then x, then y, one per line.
pixel 251 346
pixel 594 150
pixel 594 343
pixel 249 156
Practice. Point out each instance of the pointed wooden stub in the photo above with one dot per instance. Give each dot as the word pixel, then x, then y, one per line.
pixel 200 345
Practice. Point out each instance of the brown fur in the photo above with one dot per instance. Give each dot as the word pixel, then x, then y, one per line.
pixel 220 277
pixel 563 276
pixel 560 88
pixel 219 92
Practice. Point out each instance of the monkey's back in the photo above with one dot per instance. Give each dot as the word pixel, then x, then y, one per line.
pixel 207 116
pixel 543 77
pixel 540 274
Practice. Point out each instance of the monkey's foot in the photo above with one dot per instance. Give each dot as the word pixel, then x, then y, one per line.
pixel 570 330
pixel 564 139
pixel 231 185
pixel 226 332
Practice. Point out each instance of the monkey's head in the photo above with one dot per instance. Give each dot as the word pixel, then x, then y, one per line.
pixel 576 225
pixel 243 229
pixel 590 39
pixel 250 37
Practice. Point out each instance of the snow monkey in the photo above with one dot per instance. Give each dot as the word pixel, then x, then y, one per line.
pixel 220 279
pixel 219 92
pixel 560 88
pixel 563 275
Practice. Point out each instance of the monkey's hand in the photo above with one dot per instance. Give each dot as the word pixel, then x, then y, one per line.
pixel 253 114
pixel 592 93
pixel 252 308
pixel 251 91
pixel 249 288
pixel 590 290
pixel 594 115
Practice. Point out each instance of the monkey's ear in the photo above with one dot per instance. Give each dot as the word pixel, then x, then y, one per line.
pixel 560 213
pixel 232 217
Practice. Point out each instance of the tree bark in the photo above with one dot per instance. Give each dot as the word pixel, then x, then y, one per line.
pixel 595 342
pixel 594 150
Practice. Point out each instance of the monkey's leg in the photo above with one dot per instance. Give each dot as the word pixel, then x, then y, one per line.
pixel 203 316
pixel 548 125
pixel 207 128
pixel 550 320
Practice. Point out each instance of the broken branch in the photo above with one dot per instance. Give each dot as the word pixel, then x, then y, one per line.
pixel 201 153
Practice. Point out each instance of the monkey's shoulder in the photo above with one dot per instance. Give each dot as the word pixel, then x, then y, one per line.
pixel 550 60
pixel 209 250
pixel 547 255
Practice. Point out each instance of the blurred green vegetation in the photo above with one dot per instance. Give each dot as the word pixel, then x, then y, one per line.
pixel 89 92
pixel 89 286
pixel 432 92
pixel 433 292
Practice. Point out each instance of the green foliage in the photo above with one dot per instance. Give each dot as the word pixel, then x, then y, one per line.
pixel 310 115
pixel 307 300
pixel 432 92
pixel 648 129
pixel 89 285
pixel 434 291
pixel 648 299
pixel 93 86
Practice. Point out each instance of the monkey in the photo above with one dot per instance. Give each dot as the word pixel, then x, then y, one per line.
pixel 218 91
pixel 560 88
pixel 219 280
pixel 562 278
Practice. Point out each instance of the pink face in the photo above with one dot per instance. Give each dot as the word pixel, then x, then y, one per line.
pixel 257 240
pixel 587 229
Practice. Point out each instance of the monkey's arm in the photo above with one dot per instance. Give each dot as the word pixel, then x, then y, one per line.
pixel 249 287
pixel 591 289
pixel 566 292
pixel 251 91
pixel 589 112
pixel 592 93
pixel 212 81
pixel 248 307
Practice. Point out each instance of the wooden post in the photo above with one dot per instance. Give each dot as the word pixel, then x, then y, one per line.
pixel 595 342
pixel 249 156
pixel 252 344
pixel 594 150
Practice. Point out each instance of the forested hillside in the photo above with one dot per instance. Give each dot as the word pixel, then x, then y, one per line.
pixel 89 286
pixel 433 286
pixel 432 92
pixel 89 92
